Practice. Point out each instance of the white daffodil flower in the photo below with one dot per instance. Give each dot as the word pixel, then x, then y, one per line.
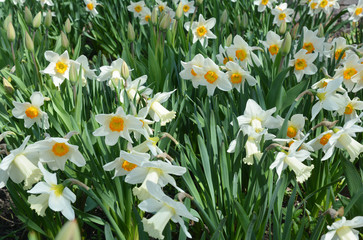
pixel 161 6
pixel 320 141
pixel 145 16
pixel 303 64
pixel 262 4
pixel 293 159
pixel 344 229
pixel 147 130
pixel 350 71
pixel 117 125
pixel 356 11
pixel 222 56
pixel 113 74
pixel 126 163
pixel 202 29
pixel 327 98
pixel 136 8
pixel 213 77
pixel 58 67
pixel 189 72
pixel 336 48
pixel 312 43
pixel 21 2
pixel 91 6
pixel 48 2
pixel 252 145
pixel 242 52
pixel 314 7
pixel 86 72
pixel 155 171
pixel 39 203
pixel 157 112
pixel 56 151
pixel 273 43
pixel 188 7
pixel 31 112
pixel 237 76
pixel 295 126
pixel 165 209
pixel 282 14
pixel 150 144
pixel 359 85
pixel 343 139
pixel 133 87
pixel 20 165
pixel 59 197
pixel 349 108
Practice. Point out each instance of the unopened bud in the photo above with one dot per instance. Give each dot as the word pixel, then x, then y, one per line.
pixel 199 2
pixel 28 16
pixel 229 40
pixel 224 17
pixel 125 72
pixel 37 20
pixel 320 31
pixel 29 42
pixel 70 231
pixel 286 44
pixel 244 20
pixel 130 32
pixel 7 21
pixel 283 28
pixel 64 40
pixel 8 87
pixel 10 32
pixel 48 19
pixel 154 16
pixel 179 11
pixel 165 22
pixel 294 31
pixel 73 73
pixel 67 26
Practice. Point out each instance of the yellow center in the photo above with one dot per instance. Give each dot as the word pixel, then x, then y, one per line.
pixel 227 59
pixel 321 96
pixel 138 8
pixel 349 109
pixel 325 84
pixel 90 6
pixel 161 8
pixel 313 5
pixel 193 73
pixel 300 64
pixel 273 49
pixel 337 54
pixel 147 18
pixel 31 112
pixel 349 73
pixel 211 76
pixel 323 3
pixel 309 47
pixel 325 139
pixel 154 140
pixel 116 124
pixel 241 54
pixel 236 78
pixel 186 8
pixel 282 16
pixel 358 11
pixel 60 149
pixel 201 31
pixel 128 166
pixel 264 2
pixel 291 131
pixel 61 67
pixel 58 189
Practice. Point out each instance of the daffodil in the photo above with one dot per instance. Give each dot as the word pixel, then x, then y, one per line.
pixel 321 140
pixel 350 71
pixel 112 74
pixel 303 64
pixel 58 67
pixel 237 76
pixel 136 8
pixel 91 6
pixel 282 14
pixel 242 52
pixel 349 107
pixel 359 78
pixel 126 163
pixel 59 196
pixel 161 6
pixel 31 112
pixel 86 72
pixel 157 111
pixel 165 209
pixel 56 151
pixel 262 4
pixel 202 29
pixel 145 16
pixel 48 2
pixel 147 130
pixel 273 43
pixel 344 229
pixel 337 48
pixel 356 11
pixel 132 89
pixel 312 43
pixel 150 144
pixel 188 7
pixel 295 126
pixel 222 56
pixel 20 165
pixel 189 72
pixel 117 125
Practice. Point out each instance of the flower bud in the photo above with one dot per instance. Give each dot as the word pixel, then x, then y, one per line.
pixel 10 32
pixel 154 16
pixel 179 11
pixel 224 17
pixel 286 44
pixel 130 32
pixel 67 26
pixel 125 72
pixel 73 73
pixel 70 231
pixel 8 87
pixel 229 40
pixel 244 20
pixel 48 19
pixel 199 2
pixel 7 21
pixel 294 31
pixel 283 28
pixel 28 16
pixel 320 31
pixel 165 22
pixel 37 20
pixel 64 40
pixel 29 42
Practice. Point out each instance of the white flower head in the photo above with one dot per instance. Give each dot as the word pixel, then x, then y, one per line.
pixel 242 52
pixel 117 125
pixel 136 8
pixel 295 126
pixel 162 6
pixel 159 113
pixel 189 72
pixel 273 43
pixel 237 76
pixel 150 144
pixel 58 67
pixel 86 72
pixel 356 11
pixel 31 112
pixel 133 87
pixel 48 2
pixel 282 14
pixel 113 74
pixel 59 197
pixel 303 64
pixel 312 43
pixel 165 209
pixel 262 4
pixel 344 229
pixel 222 56
pixel 349 107
pixel 188 7
pixel 145 16
pixel 350 71
pixel 91 6
pixel 202 29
